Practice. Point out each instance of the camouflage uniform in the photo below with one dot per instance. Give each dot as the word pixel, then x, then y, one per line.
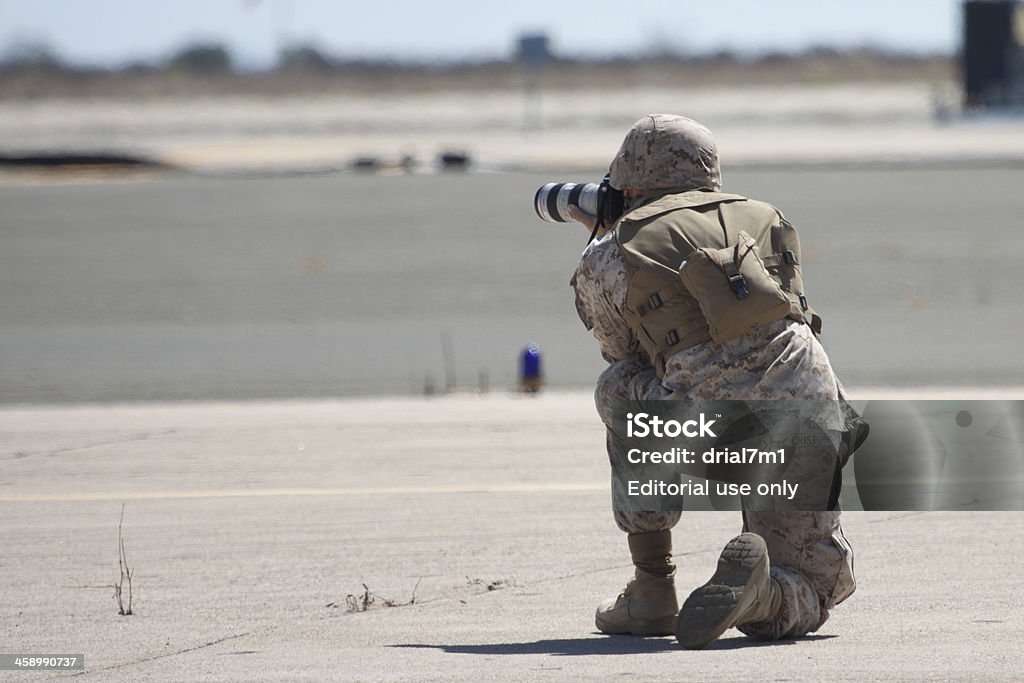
pixel 810 556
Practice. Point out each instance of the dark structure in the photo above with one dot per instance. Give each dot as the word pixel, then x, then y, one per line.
pixel 993 55
pixel 533 50
pixel 76 160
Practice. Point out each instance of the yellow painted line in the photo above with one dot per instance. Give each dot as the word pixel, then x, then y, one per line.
pixel 265 493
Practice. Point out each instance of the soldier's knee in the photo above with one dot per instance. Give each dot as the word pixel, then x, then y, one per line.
pixel 613 386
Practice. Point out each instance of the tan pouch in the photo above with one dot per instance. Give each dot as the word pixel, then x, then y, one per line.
pixel 733 288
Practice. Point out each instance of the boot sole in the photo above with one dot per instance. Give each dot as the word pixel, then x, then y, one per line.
pixel 663 627
pixel 715 607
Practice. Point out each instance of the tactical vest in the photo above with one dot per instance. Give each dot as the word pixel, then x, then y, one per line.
pixel 657 237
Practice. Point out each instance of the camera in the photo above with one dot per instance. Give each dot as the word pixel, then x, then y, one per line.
pixel 552 201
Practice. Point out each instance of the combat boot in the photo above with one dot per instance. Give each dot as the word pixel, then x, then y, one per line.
pixel 740 591
pixel 648 605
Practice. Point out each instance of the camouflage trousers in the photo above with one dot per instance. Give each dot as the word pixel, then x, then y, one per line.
pixel 810 556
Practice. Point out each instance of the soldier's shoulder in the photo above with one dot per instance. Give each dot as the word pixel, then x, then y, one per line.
pixel 603 249
pixel 601 255
pixel 766 207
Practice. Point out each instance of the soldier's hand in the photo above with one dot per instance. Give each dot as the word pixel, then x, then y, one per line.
pixel 588 220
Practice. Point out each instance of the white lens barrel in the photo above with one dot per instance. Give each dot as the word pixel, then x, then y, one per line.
pixel 540 202
pixel 563 202
pixel 552 200
pixel 588 198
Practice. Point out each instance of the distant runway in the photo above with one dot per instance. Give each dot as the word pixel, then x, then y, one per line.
pixel 216 288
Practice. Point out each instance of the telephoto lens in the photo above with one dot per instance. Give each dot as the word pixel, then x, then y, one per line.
pixel 552 200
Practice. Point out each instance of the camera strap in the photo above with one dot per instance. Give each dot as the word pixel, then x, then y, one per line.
pixel 610 205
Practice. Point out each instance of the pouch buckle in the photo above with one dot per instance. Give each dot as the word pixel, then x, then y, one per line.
pixel 738 286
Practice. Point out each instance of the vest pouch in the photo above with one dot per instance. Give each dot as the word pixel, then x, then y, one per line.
pixel 733 288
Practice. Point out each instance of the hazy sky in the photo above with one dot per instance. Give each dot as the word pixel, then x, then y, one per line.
pixel 113 31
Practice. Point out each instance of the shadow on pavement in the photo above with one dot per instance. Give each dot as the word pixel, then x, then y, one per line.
pixel 743 643
pixel 601 645
pixel 597 645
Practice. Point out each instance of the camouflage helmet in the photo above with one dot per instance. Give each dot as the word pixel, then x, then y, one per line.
pixel 664 151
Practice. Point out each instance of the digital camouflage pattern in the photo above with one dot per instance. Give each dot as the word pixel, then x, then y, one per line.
pixel 664 151
pixel 600 278
pixel 810 556
pixel 813 563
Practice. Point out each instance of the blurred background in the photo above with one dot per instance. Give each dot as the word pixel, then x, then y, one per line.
pixel 299 198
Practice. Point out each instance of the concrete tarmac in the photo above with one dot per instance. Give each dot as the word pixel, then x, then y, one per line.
pixel 475 530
